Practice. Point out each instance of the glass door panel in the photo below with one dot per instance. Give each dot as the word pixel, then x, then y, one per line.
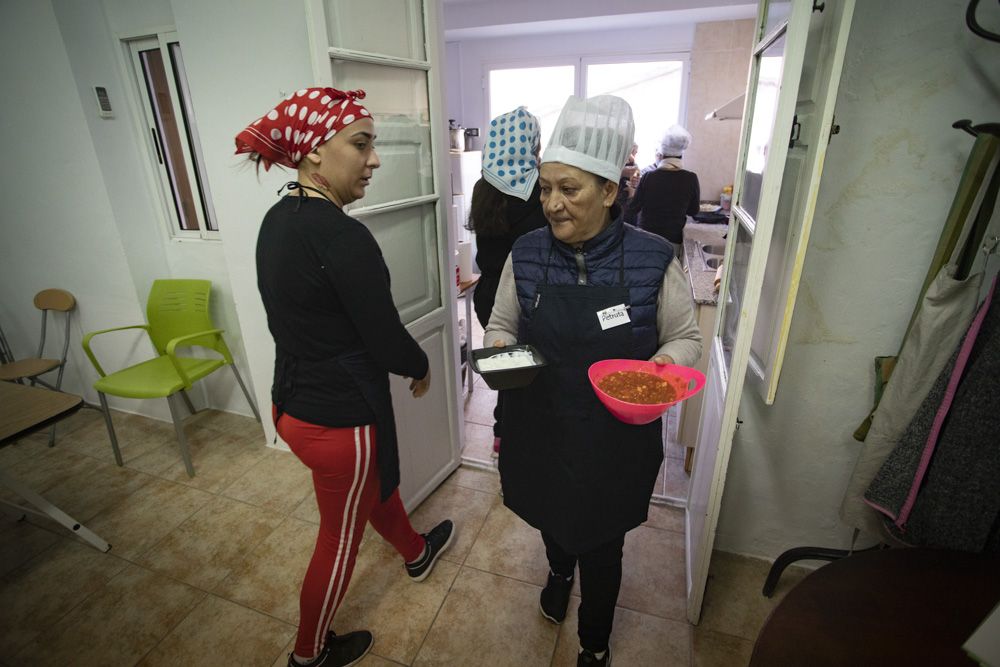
pixel 397 98
pixel 390 27
pixel 739 263
pixel 415 280
pixel 765 107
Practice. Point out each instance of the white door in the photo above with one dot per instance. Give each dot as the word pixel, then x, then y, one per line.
pixel 391 49
pixel 772 88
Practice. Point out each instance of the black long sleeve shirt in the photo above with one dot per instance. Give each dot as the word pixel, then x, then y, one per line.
pixel 663 200
pixel 325 288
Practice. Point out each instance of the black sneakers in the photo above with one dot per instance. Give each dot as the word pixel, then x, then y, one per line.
pixel 555 597
pixel 586 658
pixel 438 539
pixel 340 650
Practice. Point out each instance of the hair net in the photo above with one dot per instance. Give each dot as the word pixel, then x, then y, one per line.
pixel 675 141
pixel 594 135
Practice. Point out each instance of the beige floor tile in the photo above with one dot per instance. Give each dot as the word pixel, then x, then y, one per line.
pixel 637 640
pixel 307 510
pixel 20 541
pixel 207 547
pixel 218 459
pixel 16 452
pixel 277 482
pixel 100 487
pixel 132 527
pixel 653 580
pixel 218 632
pixel 477 479
pixel 381 598
pixel 478 442
pixel 672 481
pixel 508 546
pixel 733 602
pixel 38 594
pixel 479 408
pixel 230 423
pixel 118 624
pixel 47 468
pixel 270 577
pixel 136 436
pixel 715 649
pixel 465 507
pixel 666 518
pixel 489 620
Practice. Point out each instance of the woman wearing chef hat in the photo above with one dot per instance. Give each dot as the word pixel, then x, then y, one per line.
pixel 567 466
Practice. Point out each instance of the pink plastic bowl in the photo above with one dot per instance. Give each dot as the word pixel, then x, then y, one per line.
pixel 686 383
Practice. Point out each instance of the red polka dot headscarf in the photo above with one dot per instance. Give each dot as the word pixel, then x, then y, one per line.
pixel 301 122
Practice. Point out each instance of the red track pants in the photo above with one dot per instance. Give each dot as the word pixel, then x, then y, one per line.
pixel 342 461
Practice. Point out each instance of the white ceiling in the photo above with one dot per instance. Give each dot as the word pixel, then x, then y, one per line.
pixel 484 19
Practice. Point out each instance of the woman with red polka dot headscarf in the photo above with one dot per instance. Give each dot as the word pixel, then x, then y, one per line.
pixel 338 336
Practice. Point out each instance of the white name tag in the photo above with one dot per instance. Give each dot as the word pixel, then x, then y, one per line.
pixel 613 316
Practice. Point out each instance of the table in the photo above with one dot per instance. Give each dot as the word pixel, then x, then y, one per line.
pixel 465 290
pixel 888 607
pixel 24 409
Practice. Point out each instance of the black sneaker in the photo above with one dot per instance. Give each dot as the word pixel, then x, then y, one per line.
pixel 340 650
pixel 555 597
pixel 438 539
pixel 586 658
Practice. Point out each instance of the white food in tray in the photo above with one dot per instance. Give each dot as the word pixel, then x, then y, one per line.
pixel 506 361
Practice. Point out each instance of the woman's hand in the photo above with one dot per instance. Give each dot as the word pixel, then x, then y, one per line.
pixel 662 359
pixel 420 387
pixel 500 343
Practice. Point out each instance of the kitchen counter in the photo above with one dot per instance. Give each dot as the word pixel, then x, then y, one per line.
pixel 702 280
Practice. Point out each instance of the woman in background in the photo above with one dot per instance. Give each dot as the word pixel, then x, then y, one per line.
pixel 667 195
pixel 335 346
pixel 505 205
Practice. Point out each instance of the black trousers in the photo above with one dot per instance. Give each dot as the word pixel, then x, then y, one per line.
pixel 497 414
pixel 600 580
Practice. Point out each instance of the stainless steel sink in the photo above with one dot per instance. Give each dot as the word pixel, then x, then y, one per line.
pixel 713 262
pixel 711 256
pixel 713 249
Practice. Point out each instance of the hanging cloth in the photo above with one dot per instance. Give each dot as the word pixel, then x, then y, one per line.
pixel 943 318
pixel 938 487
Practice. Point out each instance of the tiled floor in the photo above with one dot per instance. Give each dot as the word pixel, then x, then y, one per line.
pixel 205 571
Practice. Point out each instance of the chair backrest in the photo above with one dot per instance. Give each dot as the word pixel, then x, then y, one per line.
pixel 62 301
pixel 178 308
pixel 55 299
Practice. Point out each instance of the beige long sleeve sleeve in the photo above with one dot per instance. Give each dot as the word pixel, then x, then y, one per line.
pixel 677 328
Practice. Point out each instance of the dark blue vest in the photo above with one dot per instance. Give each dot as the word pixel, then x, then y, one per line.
pixel 646 259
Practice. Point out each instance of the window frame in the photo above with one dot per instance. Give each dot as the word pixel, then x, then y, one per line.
pixel 162 39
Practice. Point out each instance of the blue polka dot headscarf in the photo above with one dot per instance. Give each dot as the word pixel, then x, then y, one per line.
pixel 509 162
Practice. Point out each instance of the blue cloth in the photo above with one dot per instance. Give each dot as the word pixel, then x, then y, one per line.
pixel 509 161
pixel 646 258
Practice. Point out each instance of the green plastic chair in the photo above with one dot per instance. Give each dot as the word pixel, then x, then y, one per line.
pixel 178 316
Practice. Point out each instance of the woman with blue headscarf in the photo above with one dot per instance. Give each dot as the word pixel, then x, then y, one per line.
pixel 505 205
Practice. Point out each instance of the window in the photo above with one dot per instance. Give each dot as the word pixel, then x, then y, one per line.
pixel 653 87
pixel 172 137
pixel 543 90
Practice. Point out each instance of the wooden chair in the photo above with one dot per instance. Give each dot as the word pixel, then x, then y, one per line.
pixel 30 368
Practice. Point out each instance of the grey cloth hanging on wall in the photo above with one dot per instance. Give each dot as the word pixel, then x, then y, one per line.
pixel 939 487
pixel 945 313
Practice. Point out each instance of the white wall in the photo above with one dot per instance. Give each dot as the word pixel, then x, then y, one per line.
pixel 476 55
pixel 120 177
pixel 889 180
pixel 58 225
pixel 232 86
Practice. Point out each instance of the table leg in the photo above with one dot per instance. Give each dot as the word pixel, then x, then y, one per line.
pixel 468 339
pixel 45 508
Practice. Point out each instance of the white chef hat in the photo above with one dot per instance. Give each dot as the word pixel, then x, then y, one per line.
pixel 594 135
pixel 675 141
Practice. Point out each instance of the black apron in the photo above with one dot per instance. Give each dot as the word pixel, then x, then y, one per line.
pixel 568 467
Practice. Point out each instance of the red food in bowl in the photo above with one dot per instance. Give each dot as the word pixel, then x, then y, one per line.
pixel 685 382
